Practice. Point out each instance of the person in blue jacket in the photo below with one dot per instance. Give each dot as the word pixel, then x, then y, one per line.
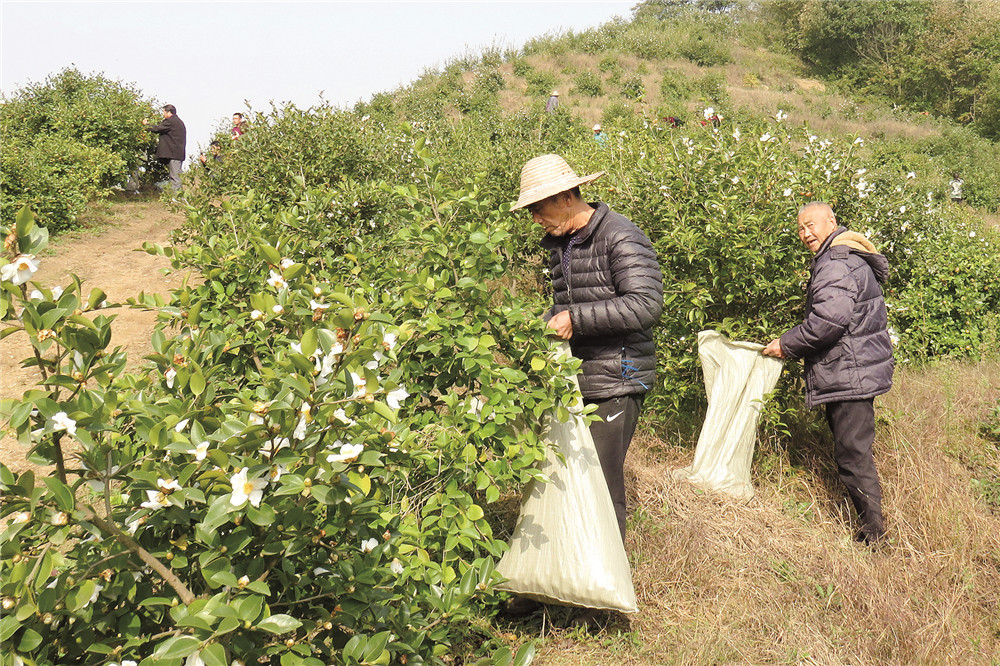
pixel 847 350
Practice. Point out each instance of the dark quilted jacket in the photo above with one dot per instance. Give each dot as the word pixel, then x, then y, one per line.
pixel 614 293
pixel 173 139
pixel 843 338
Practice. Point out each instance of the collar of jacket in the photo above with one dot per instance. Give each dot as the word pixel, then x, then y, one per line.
pixel 828 242
pixel 601 210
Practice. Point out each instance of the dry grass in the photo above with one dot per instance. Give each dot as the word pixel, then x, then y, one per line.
pixel 777 579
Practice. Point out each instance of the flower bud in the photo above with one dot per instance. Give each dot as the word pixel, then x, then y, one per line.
pixel 8 603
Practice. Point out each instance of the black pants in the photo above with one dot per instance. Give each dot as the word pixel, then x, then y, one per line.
pixel 612 436
pixel 853 426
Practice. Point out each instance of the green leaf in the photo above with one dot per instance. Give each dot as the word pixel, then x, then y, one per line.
pixel 8 625
pixel 279 624
pixel 197 382
pixel 525 655
pixel 177 647
pixel 61 493
pixel 214 655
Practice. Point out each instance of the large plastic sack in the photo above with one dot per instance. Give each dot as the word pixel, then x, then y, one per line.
pixel 566 548
pixel 737 377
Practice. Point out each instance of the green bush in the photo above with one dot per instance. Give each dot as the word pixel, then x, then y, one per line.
pixel 705 50
pixel 56 176
pixel 540 84
pixel 303 471
pixel 521 67
pixel 713 88
pixel 633 87
pixel 68 140
pixel 674 86
pixel 589 84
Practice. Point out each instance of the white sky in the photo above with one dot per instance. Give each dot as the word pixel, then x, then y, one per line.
pixel 206 58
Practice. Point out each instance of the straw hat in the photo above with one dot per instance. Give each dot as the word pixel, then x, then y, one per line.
pixel 597 127
pixel 546 175
pixel 554 93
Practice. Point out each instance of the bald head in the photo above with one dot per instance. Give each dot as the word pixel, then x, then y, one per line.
pixel 816 223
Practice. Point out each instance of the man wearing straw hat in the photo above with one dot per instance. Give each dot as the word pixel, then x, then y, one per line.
pixel 607 294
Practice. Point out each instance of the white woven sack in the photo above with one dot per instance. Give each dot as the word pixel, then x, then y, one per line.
pixel 737 377
pixel 566 548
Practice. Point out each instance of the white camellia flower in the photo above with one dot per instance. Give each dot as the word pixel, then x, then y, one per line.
pixel 256 315
pixel 348 453
pixel 766 137
pixel 276 472
pixel 246 489
pixel 277 309
pixel 57 292
pixel 129 662
pixel 396 566
pixel 276 281
pixel 20 517
pixel 313 305
pixel 787 192
pixel 155 500
pixel 36 295
pixel 170 375
pixel 911 175
pixel 859 141
pixel 394 397
pixel 780 115
pixel 342 416
pixel 60 518
pixel 93 597
pixel 254 419
pixel 168 485
pixel 20 270
pixel 300 429
pixel 736 134
pixel 194 659
pixel 708 112
pixel 317 292
pixel 200 451
pixel 62 421
pixel 183 423
pixel 359 385
pixel 272 446
pixel 368 545
pixel 286 263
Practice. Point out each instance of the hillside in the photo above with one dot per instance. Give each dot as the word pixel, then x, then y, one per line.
pixel 319 457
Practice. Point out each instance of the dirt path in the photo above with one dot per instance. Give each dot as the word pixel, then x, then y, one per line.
pixel 107 259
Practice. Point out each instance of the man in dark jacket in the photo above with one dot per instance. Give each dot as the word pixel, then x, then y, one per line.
pixel 608 293
pixel 171 148
pixel 847 351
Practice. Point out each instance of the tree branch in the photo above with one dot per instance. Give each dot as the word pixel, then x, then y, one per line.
pixel 164 572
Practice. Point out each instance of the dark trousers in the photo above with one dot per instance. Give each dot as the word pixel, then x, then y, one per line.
pixel 853 426
pixel 612 436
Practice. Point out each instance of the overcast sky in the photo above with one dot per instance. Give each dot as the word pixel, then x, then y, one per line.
pixel 206 58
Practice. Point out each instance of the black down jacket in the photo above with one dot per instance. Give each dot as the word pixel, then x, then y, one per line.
pixel 843 339
pixel 173 139
pixel 614 293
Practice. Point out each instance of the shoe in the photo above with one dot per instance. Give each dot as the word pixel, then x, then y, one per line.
pixel 589 619
pixel 874 541
pixel 520 606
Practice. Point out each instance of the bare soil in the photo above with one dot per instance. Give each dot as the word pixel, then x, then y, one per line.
pixel 108 256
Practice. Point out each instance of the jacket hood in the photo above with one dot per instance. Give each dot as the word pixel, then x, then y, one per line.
pixel 863 248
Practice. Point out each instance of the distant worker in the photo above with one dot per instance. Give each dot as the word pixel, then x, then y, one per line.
pixel 553 102
pixel 955 186
pixel 847 351
pixel 239 126
pixel 599 136
pixel 213 157
pixel 673 121
pixel 170 150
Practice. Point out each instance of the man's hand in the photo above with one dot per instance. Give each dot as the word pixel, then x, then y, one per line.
pixel 562 325
pixel 145 121
pixel 773 348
